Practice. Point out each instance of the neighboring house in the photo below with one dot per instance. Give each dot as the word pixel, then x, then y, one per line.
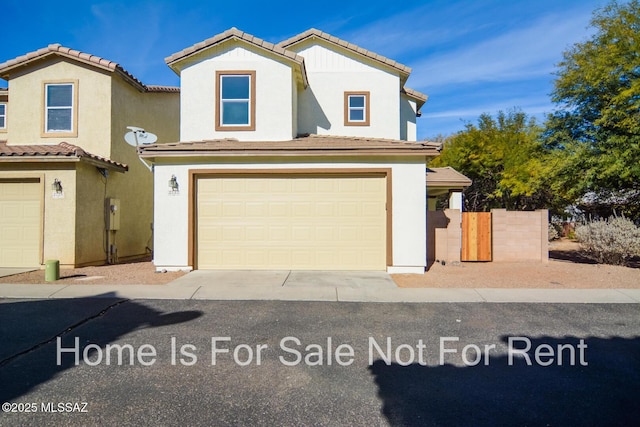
pixel 300 155
pixel 446 181
pixel 71 189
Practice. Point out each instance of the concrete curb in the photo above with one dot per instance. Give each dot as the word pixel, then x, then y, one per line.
pixel 324 293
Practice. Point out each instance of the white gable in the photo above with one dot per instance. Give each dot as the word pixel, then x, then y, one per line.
pixel 275 96
pixel 331 72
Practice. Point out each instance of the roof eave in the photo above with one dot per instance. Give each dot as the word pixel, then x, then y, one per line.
pixel 449 184
pixel 287 153
pixel 62 159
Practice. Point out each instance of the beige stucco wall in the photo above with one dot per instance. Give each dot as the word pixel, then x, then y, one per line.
pixel 444 236
pixel 157 113
pixel 90 226
pixel 94 105
pixel 59 218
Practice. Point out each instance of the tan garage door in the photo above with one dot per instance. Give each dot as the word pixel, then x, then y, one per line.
pixel 20 223
pixel 291 222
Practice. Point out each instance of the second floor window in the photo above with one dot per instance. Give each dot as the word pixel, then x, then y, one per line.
pixel 59 107
pixel 236 100
pixel 3 116
pixel 356 108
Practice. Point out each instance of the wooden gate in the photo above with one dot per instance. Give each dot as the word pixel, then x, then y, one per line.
pixel 476 236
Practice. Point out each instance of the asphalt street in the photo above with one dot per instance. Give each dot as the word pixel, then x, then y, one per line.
pixel 195 362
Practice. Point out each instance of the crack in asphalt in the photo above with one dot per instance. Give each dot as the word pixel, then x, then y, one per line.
pixel 61 334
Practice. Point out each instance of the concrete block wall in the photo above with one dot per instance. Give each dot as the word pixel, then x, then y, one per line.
pixel 520 236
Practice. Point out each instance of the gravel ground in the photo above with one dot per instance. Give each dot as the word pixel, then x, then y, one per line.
pixel 134 273
pixel 567 269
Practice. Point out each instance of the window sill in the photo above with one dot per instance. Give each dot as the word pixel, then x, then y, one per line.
pixel 59 134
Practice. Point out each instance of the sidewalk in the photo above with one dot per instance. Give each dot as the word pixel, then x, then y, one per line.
pixel 313 286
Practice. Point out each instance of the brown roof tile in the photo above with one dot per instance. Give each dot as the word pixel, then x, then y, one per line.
pixel 403 69
pixel 56 49
pixel 309 145
pixel 62 150
pixel 419 97
pixel 447 177
pixel 158 88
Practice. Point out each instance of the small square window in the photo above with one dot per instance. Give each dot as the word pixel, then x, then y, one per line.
pixel 236 100
pixel 356 109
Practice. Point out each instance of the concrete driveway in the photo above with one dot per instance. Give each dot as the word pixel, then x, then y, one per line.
pixel 291 285
pixel 287 278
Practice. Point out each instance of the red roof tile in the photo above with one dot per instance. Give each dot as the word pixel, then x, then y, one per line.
pixel 62 151
pixel 56 49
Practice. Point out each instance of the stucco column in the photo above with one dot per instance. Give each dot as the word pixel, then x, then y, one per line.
pixel 455 200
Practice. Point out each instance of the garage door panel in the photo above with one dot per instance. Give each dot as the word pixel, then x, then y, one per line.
pixel 20 223
pixel 256 209
pixel 279 233
pixel 302 222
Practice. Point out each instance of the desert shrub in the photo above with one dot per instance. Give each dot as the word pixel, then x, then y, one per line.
pixel 610 241
pixel 554 231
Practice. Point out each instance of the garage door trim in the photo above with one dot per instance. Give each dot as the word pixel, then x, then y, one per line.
pixel 195 174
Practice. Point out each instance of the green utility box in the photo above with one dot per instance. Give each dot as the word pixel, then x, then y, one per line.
pixel 51 270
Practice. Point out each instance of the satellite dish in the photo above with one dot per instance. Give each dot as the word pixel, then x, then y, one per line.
pixel 139 136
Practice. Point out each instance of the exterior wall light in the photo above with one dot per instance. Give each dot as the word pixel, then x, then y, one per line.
pixel 56 188
pixel 174 187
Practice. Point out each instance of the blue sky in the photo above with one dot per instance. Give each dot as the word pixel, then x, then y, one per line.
pixel 470 57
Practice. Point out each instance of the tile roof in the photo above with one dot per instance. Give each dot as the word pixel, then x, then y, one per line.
pixel 403 69
pixel 306 145
pixel 447 177
pixel 158 88
pixel 61 151
pixel 234 33
pixel 86 58
pixel 419 97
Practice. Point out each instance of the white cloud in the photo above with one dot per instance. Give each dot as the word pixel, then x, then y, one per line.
pixel 524 53
pixel 416 30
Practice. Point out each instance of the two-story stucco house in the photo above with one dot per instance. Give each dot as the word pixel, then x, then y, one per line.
pixel 297 155
pixel 71 189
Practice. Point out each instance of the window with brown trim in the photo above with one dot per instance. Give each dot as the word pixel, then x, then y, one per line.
pixel 356 108
pixel 235 100
pixel 3 116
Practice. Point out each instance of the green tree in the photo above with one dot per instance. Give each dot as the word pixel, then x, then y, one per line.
pixel 597 126
pixel 506 160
